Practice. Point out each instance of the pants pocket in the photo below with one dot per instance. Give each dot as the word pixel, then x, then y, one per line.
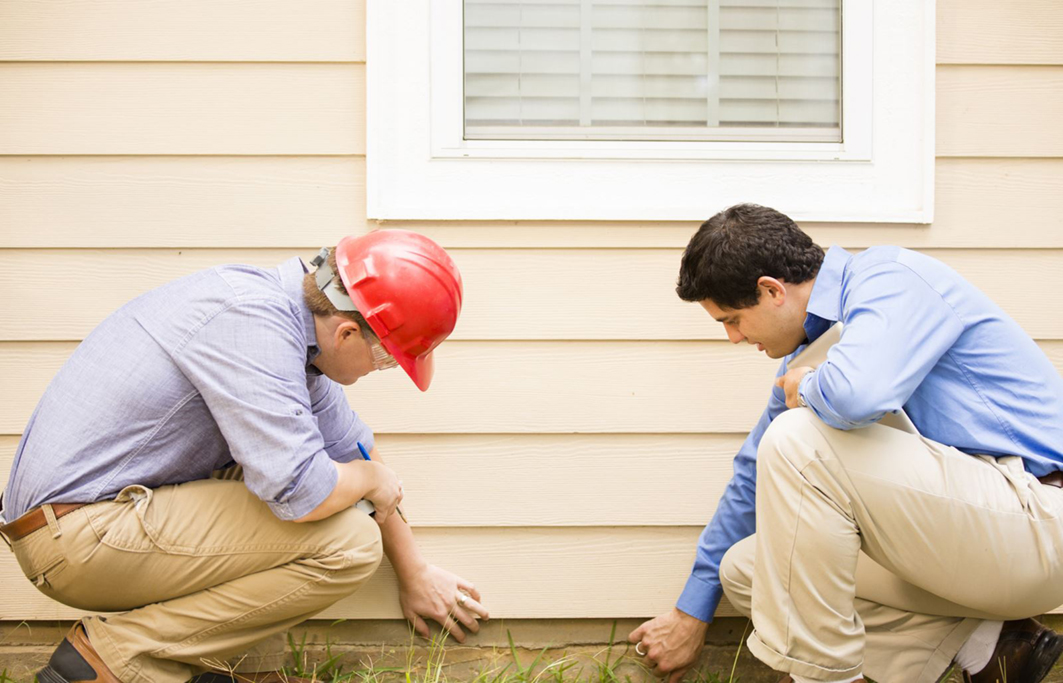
pixel 151 508
pixel 41 557
pixel 119 523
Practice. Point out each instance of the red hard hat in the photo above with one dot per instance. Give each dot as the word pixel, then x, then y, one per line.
pixel 409 291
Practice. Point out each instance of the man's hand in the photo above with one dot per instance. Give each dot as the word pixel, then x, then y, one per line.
pixel 385 493
pixel 671 642
pixel 790 382
pixel 443 597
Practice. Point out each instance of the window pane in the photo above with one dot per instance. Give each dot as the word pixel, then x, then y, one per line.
pixel 653 69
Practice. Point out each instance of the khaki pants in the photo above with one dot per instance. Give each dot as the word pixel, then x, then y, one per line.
pixel 947 539
pixel 206 569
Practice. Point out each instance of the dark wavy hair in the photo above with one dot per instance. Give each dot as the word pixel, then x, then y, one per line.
pixel 739 245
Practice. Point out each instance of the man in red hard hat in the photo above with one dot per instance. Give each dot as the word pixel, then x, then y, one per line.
pixel 112 506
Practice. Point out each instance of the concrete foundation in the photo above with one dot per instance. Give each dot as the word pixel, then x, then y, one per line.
pixel 579 646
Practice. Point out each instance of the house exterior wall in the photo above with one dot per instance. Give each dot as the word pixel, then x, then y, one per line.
pixel 583 419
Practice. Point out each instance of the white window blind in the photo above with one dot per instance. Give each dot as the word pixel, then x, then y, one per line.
pixel 653 70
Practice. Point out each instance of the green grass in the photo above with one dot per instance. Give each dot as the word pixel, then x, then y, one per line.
pixel 602 667
pixel 614 663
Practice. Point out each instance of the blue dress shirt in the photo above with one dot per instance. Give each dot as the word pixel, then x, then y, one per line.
pixel 917 337
pixel 211 369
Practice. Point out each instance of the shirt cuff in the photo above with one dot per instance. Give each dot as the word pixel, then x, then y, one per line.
pixel 314 486
pixel 801 388
pixel 699 598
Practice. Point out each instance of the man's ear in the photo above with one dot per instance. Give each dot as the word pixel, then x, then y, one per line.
pixel 346 329
pixel 773 288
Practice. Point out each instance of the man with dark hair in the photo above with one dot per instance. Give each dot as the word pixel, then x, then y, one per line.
pixel 853 546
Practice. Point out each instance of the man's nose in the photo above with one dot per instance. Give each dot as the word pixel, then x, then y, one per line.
pixel 733 335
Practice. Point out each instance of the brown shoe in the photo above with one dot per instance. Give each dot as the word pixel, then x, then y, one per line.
pixel 260 677
pixel 76 661
pixel 1025 653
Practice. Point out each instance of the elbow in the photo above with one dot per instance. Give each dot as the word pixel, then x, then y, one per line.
pixel 311 516
pixel 325 509
pixel 853 412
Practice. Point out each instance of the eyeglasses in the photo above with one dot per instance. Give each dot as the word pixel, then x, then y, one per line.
pixel 382 360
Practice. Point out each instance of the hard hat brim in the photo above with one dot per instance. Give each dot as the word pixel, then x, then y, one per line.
pixel 421 369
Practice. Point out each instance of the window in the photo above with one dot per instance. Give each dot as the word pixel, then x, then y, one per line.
pixel 650 109
pixel 653 70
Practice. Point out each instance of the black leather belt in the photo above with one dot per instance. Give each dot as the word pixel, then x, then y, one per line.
pixel 1052 479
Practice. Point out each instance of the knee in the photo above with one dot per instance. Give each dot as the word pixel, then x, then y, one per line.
pixel 791 428
pixel 736 569
pixel 736 573
pixel 355 545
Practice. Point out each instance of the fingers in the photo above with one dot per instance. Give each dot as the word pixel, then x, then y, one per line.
pixel 779 382
pixel 419 626
pixel 677 675
pixel 465 617
pixel 636 635
pixel 469 588
pixel 473 605
pixel 452 627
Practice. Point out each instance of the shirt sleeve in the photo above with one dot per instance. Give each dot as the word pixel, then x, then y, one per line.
pixel 340 427
pixel 735 519
pixel 897 328
pixel 248 362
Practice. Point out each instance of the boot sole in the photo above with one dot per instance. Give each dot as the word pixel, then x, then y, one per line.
pixel 1043 657
pixel 49 675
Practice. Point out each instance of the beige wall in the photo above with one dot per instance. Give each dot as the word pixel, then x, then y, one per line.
pixel 583 419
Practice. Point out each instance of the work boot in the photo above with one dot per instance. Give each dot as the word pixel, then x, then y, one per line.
pixel 1025 653
pixel 260 677
pixel 76 661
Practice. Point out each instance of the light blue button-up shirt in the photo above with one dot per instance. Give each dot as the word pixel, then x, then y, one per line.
pixel 207 370
pixel 918 337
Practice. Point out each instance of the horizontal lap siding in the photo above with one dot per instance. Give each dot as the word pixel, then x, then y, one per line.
pixel 284 202
pixel 171 108
pixel 522 572
pixel 182 31
pixel 549 480
pixel 526 387
pixel 511 294
pixel 594 415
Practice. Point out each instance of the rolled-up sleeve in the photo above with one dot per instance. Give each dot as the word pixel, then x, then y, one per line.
pixel 248 363
pixel 340 426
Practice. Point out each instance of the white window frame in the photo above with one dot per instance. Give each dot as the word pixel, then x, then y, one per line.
pixel 420 167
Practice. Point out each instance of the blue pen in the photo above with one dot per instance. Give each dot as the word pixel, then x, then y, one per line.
pixel 365 454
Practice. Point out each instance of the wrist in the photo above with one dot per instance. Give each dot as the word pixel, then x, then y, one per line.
pixel 691 622
pixel 410 569
pixel 370 478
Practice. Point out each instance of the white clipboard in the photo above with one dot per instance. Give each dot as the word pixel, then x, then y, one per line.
pixel 816 352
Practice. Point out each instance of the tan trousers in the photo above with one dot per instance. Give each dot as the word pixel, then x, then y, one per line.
pixel 947 539
pixel 205 569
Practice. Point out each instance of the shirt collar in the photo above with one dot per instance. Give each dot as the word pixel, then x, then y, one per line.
pixel 291 274
pixel 825 301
